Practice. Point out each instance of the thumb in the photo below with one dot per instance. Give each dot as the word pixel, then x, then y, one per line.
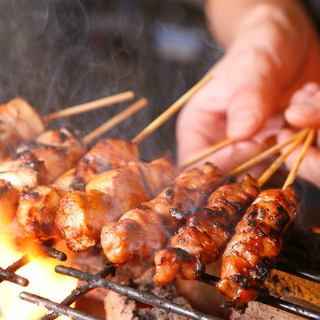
pixel 247 112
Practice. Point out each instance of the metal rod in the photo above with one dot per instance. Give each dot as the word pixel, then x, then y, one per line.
pixel 8 274
pixel 209 279
pixel 290 270
pixel 145 297
pixel 54 253
pixel 12 277
pixel 56 307
pixel 18 264
pixel 289 307
pixel 273 302
pixel 80 291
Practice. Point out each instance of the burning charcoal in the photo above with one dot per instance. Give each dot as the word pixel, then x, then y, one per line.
pixel 119 307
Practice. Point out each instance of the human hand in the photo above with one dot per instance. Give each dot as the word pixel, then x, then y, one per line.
pixel 273 53
pixel 304 112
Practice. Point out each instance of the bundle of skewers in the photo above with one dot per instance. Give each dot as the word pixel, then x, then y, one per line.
pixel 181 219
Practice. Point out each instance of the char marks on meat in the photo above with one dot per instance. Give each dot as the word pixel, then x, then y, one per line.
pixel 256 244
pixel 144 230
pixel 107 196
pixel 205 233
pixel 105 155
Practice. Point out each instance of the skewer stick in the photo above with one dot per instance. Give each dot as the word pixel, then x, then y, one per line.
pixel 132 109
pixel 279 161
pixel 206 152
pixel 155 124
pixel 89 106
pixel 264 155
pixel 293 173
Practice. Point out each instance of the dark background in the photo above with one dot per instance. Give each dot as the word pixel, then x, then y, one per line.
pixel 58 53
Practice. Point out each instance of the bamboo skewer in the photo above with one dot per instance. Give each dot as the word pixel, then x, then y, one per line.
pixel 89 106
pixel 264 155
pixel 206 152
pixel 293 173
pixel 155 124
pixel 279 161
pixel 132 109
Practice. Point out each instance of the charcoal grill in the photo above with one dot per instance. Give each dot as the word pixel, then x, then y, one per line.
pixel 99 280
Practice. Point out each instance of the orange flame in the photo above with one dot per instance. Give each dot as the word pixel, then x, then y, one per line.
pixel 43 280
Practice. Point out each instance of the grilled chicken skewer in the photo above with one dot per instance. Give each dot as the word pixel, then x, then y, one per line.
pixel 258 238
pixel 86 172
pixel 144 230
pixel 38 204
pixel 204 235
pixel 200 241
pixel 59 150
pixel 82 214
pixel 255 245
pixel 40 163
pixel 18 122
pixel 52 153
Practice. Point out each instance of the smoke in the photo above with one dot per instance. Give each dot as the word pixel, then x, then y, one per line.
pixel 64 52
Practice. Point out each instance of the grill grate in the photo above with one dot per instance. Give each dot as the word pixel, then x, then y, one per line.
pixel 8 274
pixel 274 302
pixel 98 280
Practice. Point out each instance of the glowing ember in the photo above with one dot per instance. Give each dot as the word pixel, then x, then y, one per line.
pixel 315 229
pixel 42 278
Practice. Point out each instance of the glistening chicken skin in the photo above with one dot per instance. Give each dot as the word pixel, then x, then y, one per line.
pixel 19 122
pixel 146 229
pixel 39 203
pixel 204 234
pixel 107 196
pixel 255 244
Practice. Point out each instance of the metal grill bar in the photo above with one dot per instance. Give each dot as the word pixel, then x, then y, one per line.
pixel 95 281
pixel 274 302
pixel 18 264
pixel 145 297
pixel 56 307
pixel 54 253
pixel 288 269
pixel 289 307
pixel 12 277
pixel 80 291
pixel 8 274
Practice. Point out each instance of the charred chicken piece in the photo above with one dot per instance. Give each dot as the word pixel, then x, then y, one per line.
pixel 105 155
pixel 256 244
pixel 65 139
pixel 23 173
pixel 36 211
pixel 200 241
pixel 39 226
pixel 18 122
pixel 61 152
pixel 144 230
pixel 38 206
pixel 9 198
pixel 54 159
pixel 108 195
